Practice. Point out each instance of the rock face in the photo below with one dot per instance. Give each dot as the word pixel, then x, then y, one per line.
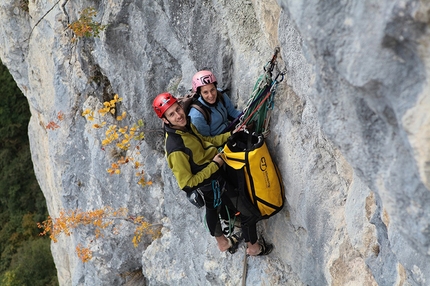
pixel 350 132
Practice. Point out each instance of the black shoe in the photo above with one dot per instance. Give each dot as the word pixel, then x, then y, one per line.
pixel 266 248
pixel 234 241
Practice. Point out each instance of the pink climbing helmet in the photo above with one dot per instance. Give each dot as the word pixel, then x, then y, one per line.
pixel 202 78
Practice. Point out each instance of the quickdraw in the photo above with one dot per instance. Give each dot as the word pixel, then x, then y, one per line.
pixel 261 102
pixel 217 193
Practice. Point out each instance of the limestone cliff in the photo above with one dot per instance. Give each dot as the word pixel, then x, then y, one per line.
pixel 350 132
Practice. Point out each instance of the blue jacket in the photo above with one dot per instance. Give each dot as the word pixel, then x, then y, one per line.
pixel 219 113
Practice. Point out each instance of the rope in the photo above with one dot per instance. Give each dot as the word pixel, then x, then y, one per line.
pixel 264 113
pixel 254 111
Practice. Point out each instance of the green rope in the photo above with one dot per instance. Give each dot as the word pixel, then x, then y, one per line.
pixel 231 223
pixel 261 101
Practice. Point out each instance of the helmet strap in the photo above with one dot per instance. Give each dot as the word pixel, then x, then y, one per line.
pixel 165 120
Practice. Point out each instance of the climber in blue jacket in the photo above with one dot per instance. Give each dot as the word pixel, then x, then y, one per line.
pixel 222 111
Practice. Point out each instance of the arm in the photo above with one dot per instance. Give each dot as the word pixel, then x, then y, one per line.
pixel 233 112
pixel 199 121
pixel 217 140
pixel 179 163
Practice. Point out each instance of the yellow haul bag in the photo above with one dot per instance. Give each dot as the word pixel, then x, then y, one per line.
pixel 248 153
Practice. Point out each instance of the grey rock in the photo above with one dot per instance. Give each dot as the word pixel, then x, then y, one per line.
pixel 350 132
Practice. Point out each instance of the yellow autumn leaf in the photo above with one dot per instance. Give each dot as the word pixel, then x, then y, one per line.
pixel 111 129
pixel 117 98
pixel 86 111
pixel 103 111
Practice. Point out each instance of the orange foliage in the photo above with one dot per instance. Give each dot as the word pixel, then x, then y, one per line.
pixel 84 253
pixel 85 26
pixel 60 115
pixel 52 125
pixel 100 219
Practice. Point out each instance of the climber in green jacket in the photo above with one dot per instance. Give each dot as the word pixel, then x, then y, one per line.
pixel 197 167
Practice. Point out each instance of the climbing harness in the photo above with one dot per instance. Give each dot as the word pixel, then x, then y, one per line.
pixel 261 102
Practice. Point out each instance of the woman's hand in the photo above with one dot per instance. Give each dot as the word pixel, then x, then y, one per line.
pixel 240 128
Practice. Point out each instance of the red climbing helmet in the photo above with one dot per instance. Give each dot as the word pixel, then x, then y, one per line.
pixel 203 78
pixel 162 102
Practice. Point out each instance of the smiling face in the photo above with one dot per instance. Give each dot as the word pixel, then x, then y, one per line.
pixel 209 93
pixel 175 116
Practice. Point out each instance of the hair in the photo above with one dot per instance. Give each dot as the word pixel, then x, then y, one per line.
pixel 199 88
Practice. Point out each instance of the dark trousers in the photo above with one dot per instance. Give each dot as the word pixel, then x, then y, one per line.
pixel 213 213
pixel 232 204
pixel 248 220
pixel 235 191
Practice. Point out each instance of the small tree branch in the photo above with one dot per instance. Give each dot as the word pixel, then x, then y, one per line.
pixel 32 29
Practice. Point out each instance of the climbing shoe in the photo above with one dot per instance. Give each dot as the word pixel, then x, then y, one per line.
pixel 266 248
pixel 234 243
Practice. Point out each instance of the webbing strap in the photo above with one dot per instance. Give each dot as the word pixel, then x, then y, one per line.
pixel 217 193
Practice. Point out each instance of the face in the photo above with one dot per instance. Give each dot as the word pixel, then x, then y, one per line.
pixel 209 93
pixel 175 115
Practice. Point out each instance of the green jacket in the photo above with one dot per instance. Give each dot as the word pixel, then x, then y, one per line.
pixel 189 155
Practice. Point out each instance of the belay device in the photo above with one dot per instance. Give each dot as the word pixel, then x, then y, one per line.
pixel 262 185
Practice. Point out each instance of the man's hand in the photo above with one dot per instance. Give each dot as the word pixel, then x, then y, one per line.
pixel 218 159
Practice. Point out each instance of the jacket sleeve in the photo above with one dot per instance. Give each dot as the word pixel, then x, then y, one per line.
pixel 233 112
pixel 179 163
pixel 217 140
pixel 199 121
